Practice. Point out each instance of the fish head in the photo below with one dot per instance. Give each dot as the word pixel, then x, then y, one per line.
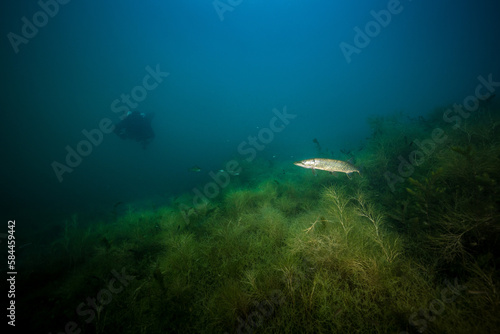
pixel 304 163
pixel 299 163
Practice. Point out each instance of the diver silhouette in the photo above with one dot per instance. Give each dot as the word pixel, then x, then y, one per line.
pixel 136 126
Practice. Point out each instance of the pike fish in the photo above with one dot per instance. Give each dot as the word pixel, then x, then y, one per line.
pixel 329 165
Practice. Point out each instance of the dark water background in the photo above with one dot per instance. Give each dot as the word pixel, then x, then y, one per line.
pixel 225 78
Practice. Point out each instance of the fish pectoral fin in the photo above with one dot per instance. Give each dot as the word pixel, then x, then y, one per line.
pixel 314 171
pixel 348 175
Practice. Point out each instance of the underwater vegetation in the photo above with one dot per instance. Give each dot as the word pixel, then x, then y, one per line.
pixel 295 253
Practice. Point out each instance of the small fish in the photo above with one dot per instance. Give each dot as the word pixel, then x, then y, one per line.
pixel 234 173
pixel 345 151
pixel 318 146
pixel 328 165
pixel 195 169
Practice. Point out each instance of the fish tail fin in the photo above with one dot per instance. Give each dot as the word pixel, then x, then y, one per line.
pixel 361 170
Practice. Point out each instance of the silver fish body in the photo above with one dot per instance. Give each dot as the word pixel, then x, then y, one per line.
pixel 329 165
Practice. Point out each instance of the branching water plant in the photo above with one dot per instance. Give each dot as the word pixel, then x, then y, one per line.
pixel 337 202
pixel 425 194
pixel 320 219
pixel 390 248
pixel 74 241
pixel 487 282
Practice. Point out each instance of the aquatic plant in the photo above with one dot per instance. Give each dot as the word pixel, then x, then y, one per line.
pixel 294 253
pixel 338 201
pixel 425 194
pixel 391 247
